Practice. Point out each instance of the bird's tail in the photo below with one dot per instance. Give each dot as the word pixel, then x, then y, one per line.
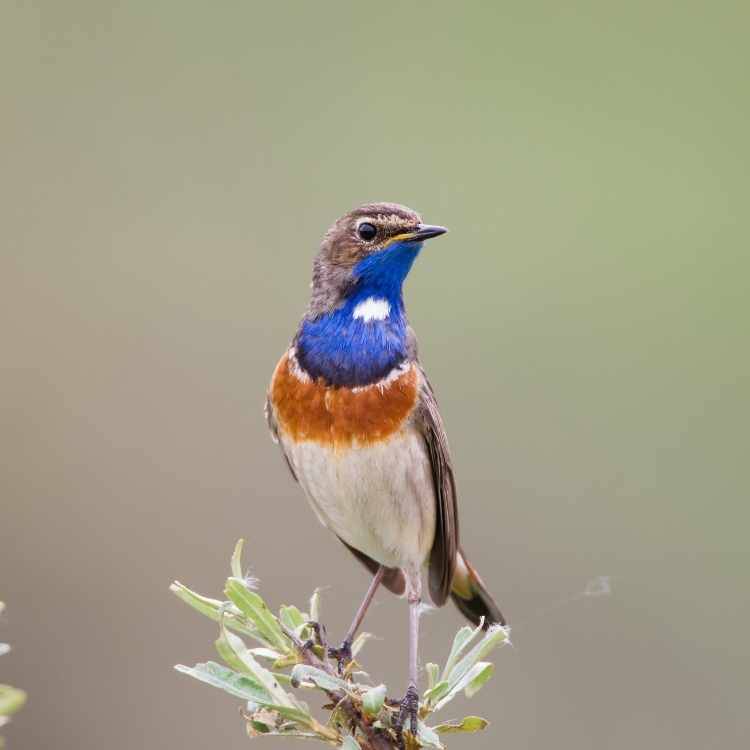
pixel 471 597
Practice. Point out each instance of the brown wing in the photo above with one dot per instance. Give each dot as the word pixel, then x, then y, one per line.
pixel 445 547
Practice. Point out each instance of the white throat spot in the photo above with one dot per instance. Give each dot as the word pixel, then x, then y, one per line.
pixel 373 308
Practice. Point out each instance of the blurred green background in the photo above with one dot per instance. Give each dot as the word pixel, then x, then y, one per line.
pixel 168 169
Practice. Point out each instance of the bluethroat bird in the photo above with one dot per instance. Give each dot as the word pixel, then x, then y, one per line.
pixel 360 429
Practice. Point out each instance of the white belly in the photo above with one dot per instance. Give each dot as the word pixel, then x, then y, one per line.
pixel 379 499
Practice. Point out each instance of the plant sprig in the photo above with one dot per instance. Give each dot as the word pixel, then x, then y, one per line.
pixel 289 654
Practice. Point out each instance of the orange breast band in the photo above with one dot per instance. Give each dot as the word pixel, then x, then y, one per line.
pixel 310 410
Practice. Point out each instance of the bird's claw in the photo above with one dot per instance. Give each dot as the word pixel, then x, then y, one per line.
pixel 408 712
pixel 319 634
pixel 342 655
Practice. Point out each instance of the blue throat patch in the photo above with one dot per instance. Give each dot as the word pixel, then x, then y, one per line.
pixel 349 351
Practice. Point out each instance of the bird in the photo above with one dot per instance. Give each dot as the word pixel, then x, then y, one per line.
pixel 359 427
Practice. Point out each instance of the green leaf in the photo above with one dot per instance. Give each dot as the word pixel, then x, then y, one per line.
pixel 236 563
pixel 227 652
pixel 476 684
pixel 305 673
pixel 349 743
pixel 373 699
pixel 436 691
pixel 11 700
pixel 462 639
pixel 467 724
pixel 477 673
pixel 265 653
pixel 269 682
pixel 227 680
pixel 255 609
pixel 242 660
pixel 291 617
pixel 432 671
pixel 204 605
pixel 428 737
pixel 261 727
pixel 315 606
pixel 235 653
pixel 243 687
pixel 492 638
pixel 261 719
pixel 284 679
pixel 213 609
pixel 293 714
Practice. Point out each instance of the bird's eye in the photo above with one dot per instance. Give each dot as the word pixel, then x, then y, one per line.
pixel 367 231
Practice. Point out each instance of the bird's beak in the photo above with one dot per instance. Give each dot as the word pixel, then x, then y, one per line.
pixel 421 233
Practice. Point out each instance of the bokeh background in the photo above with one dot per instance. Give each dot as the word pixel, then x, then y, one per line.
pixel 167 171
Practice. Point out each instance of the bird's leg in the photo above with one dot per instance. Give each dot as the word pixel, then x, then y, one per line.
pixel 343 654
pixel 409 708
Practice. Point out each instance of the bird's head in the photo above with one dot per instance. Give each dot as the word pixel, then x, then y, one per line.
pixel 369 249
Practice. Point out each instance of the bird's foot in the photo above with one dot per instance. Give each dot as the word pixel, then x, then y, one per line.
pixel 316 645
pixel 319 634
pixel 408 713
pixel 342 655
